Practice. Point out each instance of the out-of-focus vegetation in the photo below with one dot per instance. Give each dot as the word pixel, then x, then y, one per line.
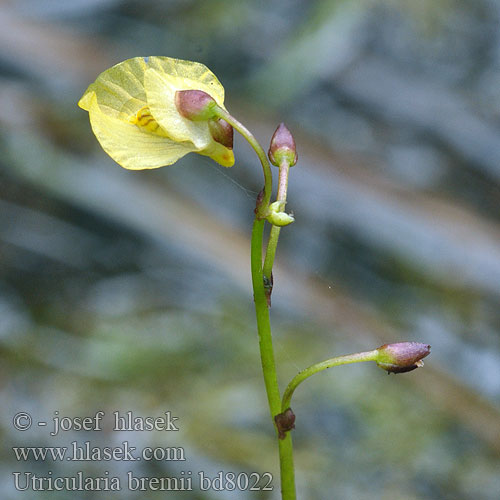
pixel 131 290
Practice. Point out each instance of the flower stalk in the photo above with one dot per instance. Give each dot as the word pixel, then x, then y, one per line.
pixel 319 367
pixel 287 474
pixel 283 154
pixel 400 357
pixel 274 235
pixel 263 203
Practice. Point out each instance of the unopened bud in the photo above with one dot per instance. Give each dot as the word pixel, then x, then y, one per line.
pixel 285 422
pixel 282 147
pixel 402 357
pixel 221 132
pixel 195 105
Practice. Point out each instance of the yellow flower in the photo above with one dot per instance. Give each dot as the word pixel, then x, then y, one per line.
pixel 133 113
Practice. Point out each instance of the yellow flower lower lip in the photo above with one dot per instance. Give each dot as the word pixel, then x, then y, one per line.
pixel 135 119
pixel 131 147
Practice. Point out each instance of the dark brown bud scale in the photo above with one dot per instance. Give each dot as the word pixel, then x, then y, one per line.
pixel 285 422
pixel 268 288
pixel 258 201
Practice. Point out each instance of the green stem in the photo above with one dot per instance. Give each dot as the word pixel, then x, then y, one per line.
pixel 275 230
pixel 263 321
pixel 268 178
pixel 267 359
pixel 287 473
pixel 329 363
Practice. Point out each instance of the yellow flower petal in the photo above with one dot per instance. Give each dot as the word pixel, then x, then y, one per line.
pixel 160 93
pixel 161 84
pixel 119 90
pixel 219 153
pixel 189 75
pixel 129 145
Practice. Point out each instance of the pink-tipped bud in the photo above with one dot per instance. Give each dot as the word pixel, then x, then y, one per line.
pixel 195 105
pixel 221 132
pixel 402 357
pixel 285 422
pixel 282 147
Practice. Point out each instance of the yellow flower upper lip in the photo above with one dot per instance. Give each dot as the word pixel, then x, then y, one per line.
pixel 133 113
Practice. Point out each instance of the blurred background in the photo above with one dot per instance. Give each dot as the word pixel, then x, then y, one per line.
pixel 130 291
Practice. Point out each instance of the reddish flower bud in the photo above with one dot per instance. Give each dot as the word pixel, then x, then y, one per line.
pixel 402 357
pixel 285 422
pixel 221 132
pixel 282 147
pixel 195 105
